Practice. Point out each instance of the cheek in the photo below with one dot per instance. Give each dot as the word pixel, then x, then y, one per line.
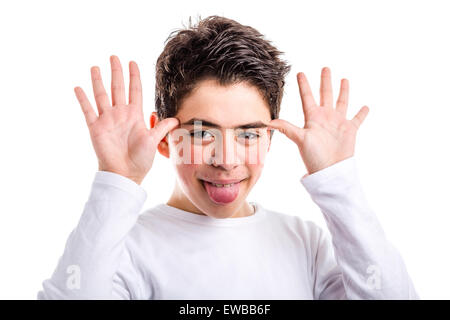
pixel 186 175
pixel 254 155
pixel 188 164
pixel 198 154
pixel 188 153
pixel 254 171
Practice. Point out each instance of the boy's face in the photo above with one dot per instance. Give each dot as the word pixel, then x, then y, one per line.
pixel 219 150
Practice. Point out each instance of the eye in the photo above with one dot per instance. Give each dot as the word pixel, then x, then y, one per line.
pixel 201 134
pixel 249 135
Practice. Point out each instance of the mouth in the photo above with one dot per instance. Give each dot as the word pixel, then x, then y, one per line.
pixel 223 183
pixel 222 191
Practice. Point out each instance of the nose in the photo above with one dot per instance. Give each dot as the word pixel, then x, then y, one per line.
pixel 224 154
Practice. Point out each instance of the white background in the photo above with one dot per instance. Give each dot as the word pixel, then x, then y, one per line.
pixel 395 55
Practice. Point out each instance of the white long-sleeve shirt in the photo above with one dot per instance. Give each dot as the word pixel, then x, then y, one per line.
pixel 116 252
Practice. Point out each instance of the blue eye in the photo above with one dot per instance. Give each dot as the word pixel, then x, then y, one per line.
pixel 199 134
pixel 249 135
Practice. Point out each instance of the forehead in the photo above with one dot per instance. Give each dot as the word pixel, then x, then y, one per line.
pixel 227 106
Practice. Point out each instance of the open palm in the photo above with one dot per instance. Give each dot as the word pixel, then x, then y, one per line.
pixel 120 138
pixel 327 136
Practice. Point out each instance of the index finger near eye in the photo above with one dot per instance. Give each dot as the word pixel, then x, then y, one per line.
pixel 163 127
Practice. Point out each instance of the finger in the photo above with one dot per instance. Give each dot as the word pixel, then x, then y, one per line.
pixel 360 116
pixel 101 98
pixel 117 83
pixel 288 129
pixel 326 92
pixel 88 111
pixel 305 93
pixel 342 101
pixel 135 91
pixel 162 128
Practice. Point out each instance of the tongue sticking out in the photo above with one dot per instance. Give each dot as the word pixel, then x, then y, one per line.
pixel 222 195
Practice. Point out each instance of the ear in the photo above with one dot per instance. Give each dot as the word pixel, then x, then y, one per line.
pixel 163 146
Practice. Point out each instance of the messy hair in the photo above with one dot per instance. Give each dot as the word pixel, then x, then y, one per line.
pixel 221 49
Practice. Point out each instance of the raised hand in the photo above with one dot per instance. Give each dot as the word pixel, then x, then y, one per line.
pixel 120 138
pixel 327 136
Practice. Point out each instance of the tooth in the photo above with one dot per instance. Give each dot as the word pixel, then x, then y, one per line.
pixel 222 185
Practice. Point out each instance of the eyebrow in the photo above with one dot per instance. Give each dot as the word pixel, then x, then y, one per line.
pixel 257 124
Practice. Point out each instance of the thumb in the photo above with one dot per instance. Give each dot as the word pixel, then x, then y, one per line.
pixel 162 128
pixel 288 129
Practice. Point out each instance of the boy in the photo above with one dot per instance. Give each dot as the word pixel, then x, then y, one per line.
pixel 219 87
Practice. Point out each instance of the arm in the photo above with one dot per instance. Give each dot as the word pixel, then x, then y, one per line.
pixel 358 262
pixel 95 248
pixel 125 150
pixel 368 266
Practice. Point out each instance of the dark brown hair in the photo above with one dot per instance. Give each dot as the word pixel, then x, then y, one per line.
pixel 222 49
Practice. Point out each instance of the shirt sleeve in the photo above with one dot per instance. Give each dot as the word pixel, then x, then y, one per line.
pixel 358 262
pixel 95 248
